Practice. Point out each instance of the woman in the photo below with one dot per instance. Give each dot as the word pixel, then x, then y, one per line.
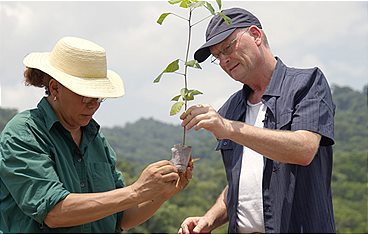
pixel 57 169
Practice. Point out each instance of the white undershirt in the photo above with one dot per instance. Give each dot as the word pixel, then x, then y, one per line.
pixel 250 206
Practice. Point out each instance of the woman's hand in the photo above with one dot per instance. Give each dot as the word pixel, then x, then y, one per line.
pixel 155 179
pixel 182 181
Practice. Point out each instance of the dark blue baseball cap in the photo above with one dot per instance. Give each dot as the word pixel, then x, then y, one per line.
pixel 218 30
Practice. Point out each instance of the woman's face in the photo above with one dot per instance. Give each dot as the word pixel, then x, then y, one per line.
pixel 75 110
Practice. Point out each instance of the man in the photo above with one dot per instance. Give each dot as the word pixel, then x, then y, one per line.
pixel 275 136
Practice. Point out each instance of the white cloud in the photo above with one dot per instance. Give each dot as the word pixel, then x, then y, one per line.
pixel 19 14
pixel 330 35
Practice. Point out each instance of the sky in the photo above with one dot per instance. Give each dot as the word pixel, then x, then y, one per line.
pixel 331 35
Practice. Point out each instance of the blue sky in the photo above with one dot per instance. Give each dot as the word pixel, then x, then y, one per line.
pixel 331 35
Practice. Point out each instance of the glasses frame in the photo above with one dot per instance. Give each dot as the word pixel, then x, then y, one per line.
pixel 85 100
pixel 215 58
pixel 88 100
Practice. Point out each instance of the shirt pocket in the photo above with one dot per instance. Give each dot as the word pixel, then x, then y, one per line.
pixel 284 121
pixel 102 179
pixel 225 145
pixel 227 150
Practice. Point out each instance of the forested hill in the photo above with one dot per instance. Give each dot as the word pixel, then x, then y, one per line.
pixel 351 119
pixel 147 140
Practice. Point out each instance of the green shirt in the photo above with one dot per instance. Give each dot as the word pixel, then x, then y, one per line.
pixel 40 165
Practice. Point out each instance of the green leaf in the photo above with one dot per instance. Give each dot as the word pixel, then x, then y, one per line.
pixel 183 92
pixel 188 97
pixel 176 98
pixel 172 67
pixel 193 63
pixel 184 3
pixel 210 8
pixel 226 18
pixel 195 92
pixel 219 4
pixel 196 4
pixel 176 108
pixel 162 17
pixel 189 94
pixel 174 1
pixel 158 78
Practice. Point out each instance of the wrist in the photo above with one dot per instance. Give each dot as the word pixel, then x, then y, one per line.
pixel 228 128
pixel 134 193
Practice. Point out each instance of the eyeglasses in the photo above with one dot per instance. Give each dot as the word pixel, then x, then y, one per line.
pixel 88 100
pixel 228 49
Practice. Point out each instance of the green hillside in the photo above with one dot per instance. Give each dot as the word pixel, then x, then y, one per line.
pixel 148 140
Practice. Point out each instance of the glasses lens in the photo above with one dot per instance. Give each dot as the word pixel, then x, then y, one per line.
pixel 228 49
pixel 99 100
pixel 89 100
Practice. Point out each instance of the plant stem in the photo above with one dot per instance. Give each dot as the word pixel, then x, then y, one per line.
pixel 179 16
pixel 186 67
pixel 201 20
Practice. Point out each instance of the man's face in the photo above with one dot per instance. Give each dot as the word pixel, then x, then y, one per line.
pixel 236 54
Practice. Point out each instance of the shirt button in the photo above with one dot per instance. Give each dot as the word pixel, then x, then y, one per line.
pixel 79 160
pixel 82 185
pixel 225 143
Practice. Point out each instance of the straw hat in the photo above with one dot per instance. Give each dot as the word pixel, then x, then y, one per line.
pixel 80 65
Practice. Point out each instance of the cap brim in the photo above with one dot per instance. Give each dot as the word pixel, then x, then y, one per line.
pixel 106 87
pixel 204 52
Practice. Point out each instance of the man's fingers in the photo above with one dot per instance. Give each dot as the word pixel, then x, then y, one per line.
pixel 192 111
pixel 196 121
pixel 188 225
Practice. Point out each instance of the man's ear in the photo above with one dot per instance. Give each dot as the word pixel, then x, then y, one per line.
pixel 256 33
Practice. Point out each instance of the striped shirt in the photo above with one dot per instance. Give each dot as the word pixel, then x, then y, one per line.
pixel 295 198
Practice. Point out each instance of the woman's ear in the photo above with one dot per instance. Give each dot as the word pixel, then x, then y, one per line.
pixel 54 87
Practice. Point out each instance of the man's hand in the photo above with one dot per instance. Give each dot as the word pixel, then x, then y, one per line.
pixel 195 225
pixel 206 117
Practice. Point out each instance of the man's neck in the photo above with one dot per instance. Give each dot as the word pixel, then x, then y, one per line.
pixel 262 81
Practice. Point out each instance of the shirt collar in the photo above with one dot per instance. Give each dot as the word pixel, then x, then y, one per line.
pixel 48 113
pixel 274 87
pixel 245 92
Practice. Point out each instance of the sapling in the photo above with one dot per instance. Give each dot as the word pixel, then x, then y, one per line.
pixel 181 152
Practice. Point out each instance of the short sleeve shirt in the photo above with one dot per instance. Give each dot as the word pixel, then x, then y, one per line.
pixel 295 198
pixel 40 165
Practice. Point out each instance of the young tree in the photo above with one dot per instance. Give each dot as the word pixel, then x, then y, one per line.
pixel 185 93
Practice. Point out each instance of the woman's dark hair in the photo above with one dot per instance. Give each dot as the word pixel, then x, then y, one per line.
pixel 38 78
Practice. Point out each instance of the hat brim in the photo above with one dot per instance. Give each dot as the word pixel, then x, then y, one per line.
pixel 204 52
pixel 110 86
